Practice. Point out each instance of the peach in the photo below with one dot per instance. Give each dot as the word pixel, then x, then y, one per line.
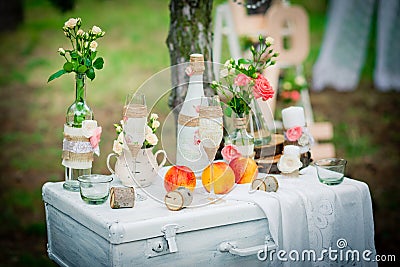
pixel 245 169
pixel 222 175
pixel 178 176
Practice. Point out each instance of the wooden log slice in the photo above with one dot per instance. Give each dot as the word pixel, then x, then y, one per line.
pixel 268 164
pixel 275 147
pixel 178 199
pixel 122 197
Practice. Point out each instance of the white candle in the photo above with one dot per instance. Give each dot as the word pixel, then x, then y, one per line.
pixel 292 117
pixel 291 150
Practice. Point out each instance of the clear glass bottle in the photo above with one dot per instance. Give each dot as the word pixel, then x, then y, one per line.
pixel 257 126
pixel 76 114
pixel 188 151
pixel 240 137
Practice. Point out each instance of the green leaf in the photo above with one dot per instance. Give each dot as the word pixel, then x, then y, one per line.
pixel 56 75
pixel 73 54
pixel 93 55
pixel 227 111
pixel 244 61
pixel 88 62
pixel 82 69
pixel 90 74
pixel 98 63
pixel 68 66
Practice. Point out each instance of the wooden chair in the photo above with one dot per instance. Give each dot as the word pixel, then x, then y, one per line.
pixel 286 24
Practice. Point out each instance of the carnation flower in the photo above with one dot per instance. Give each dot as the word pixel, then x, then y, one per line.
pixel 242 80
pixel 71 23
pixel 153 116
pixel 93 46
pixel 152 139
pixel 96 30
pixel 262 88
pixel 117 147
pixel 155 124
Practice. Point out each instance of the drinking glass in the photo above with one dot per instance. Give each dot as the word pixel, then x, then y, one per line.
pixel 210 132
pixel 135 116
pixel 331 170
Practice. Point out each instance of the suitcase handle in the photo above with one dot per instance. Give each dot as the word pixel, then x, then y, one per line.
pixel 232 248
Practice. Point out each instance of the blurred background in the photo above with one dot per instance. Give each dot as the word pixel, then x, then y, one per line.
pixel 32 111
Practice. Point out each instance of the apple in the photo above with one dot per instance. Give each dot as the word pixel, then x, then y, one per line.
pixel 178 176
pixel 222 175
pixel 245 169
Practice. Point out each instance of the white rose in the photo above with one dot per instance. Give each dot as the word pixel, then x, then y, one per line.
pixel 289 163
pixel 299 80
pixel 80 32
pixel 61 51
pixel 148 130
pixel 88 127
pixel 93 46
pixel 152 139
pixel 71 23
pixel 224 73
pixel 153 116
pixel 117 147
pixel 155 124
pixel 269 41
pixel 304 140
pixel 96 30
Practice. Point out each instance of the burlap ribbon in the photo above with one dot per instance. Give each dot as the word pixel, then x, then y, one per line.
pixel 135 111
pixel 188 121
pixel 210 112
pixel 76 156
pixel 239 123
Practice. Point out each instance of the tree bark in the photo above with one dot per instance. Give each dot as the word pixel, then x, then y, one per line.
pixel 190 32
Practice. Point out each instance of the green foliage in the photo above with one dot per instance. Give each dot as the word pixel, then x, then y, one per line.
pixel 82 56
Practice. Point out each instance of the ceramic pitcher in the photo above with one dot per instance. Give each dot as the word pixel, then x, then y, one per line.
pixel 146 167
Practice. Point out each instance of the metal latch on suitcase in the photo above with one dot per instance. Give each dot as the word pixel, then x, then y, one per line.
pixel 232 248
pixel 163 245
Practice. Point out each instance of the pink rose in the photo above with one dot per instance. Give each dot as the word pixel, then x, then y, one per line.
pixel 293 134
pixel 230 152
pixel 95 138
pixel 295 96
pixel 286 95
pixel 262 88
pixel 242 80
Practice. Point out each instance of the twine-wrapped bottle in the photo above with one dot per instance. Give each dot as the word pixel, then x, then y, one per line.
pixel 188 149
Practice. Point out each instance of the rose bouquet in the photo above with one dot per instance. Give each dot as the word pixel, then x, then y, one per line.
pixel 81 59
pixel 242 80
pixel 150 135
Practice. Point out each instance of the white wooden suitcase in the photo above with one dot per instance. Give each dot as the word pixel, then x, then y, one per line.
pixel 230 233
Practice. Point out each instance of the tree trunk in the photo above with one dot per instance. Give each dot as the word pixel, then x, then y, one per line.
pixel 190 32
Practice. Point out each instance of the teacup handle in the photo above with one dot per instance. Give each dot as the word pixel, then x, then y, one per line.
pixel 108 162
pixel 164 157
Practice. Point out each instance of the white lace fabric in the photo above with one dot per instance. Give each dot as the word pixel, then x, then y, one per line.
pixel 307 215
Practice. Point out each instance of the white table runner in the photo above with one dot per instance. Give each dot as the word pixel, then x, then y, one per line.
pixel 305 216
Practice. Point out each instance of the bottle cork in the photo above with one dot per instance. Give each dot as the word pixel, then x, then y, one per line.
pixel 197 63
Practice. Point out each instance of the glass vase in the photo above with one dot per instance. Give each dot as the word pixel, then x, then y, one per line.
pixel 76 114
pixel 240 137
pixel 257 126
